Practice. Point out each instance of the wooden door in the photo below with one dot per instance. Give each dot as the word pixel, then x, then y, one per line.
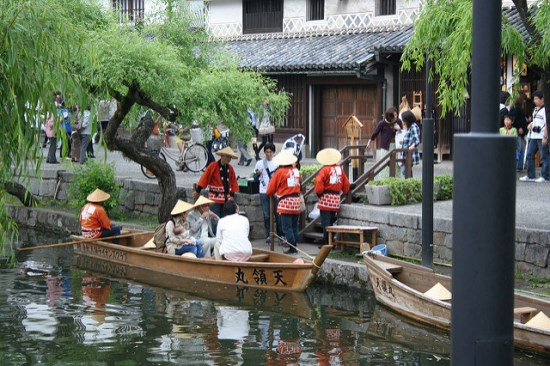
pixel 338 103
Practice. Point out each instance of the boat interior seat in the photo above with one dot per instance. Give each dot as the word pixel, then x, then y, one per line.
pixel 263 257
pixel 525 313
pixel 392 268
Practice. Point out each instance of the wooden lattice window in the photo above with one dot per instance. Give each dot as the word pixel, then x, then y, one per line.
pixel 262 16
pixel 385 7
pixel 129 10
pixel 315 10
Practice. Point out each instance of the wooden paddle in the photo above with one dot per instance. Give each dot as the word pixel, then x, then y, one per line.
pixel 84 241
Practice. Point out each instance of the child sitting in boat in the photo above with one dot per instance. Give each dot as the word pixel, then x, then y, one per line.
pixel 178 239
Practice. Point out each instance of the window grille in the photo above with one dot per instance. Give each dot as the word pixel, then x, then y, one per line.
pixel 385 7
pixel 315 10
pixel 262 16
pixel 129 10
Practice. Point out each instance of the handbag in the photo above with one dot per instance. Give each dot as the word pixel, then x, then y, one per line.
pixel 302 203
pixel 266 127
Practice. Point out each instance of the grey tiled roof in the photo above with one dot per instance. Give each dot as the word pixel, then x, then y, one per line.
pixel 317 52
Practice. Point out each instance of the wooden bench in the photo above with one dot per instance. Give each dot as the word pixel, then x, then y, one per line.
pixel 259 258
pixel 525 313
pixel 362 231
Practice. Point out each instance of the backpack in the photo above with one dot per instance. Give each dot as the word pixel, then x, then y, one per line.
pixel 159 237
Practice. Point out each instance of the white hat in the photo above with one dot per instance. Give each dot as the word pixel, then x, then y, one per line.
pixel 189 255
pixel 227 151
pixel 539 321
pixel 98 196
pixel 439 292
pixel 328 156
pixel 202 201
pixel 285 158
pixel 181 207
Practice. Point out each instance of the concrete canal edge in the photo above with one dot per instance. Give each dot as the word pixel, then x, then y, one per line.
pixel 333 272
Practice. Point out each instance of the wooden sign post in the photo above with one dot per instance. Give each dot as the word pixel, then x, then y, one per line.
pixel 353 132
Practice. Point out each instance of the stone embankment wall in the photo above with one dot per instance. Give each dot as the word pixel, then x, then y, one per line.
pixel 402 233
pixel 142 197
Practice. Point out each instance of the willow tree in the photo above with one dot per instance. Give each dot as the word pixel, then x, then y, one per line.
pixel 443 33
pixel 167 65
pixel 37 40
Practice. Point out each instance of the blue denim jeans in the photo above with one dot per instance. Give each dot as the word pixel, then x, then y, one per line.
pixel 327 219
pixel 195 249
pixel 520 151
pixel 289 224
pixel 115 230
pixel 264 199
pixel 532 148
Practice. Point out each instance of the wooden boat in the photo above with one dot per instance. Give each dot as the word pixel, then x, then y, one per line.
pixel 402 286
pixel 265 269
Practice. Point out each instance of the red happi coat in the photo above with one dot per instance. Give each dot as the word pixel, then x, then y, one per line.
pixel 330 181
pixel 211 178
pixel 285 182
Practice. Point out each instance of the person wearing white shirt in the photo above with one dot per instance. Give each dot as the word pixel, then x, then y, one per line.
pixel 262 172
pixel 538 141
pixel 232 235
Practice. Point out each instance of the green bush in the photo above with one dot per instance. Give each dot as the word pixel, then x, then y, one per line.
pixel 406 191
pixel 446 187
pixel 90 176
pixel 307 170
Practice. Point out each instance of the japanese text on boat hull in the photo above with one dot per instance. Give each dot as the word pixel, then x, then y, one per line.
pixel 107 253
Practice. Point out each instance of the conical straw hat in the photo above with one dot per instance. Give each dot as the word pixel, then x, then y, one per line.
pixel 539 321
pixel 328 156
pixel 181 207
pixel 285 158
pixel 189 255
pixel 98 196
pixel 202 201
pixel 439 292
pixel 227 151
pixel 417 113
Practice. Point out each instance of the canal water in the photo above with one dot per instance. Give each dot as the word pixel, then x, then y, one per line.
pixel 60 309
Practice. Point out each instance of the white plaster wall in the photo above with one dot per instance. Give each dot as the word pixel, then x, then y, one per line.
pixel 225 11
pixel 294 8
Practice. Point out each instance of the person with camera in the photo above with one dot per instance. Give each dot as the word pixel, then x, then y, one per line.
pixel 538 141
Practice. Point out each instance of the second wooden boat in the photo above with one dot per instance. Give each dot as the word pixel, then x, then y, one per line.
pixel 424 295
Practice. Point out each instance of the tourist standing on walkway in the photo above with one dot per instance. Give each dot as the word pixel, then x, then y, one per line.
pixel 411 140
pixel 106 111
pixel 50 134
pixel 285 183
pixel 330 183
pixel 94 221
pixel 263 171
pixel 517 113
pixel 538 141
pixel 220 179
pixel 76 125
pixel 85 134
pixel 386 128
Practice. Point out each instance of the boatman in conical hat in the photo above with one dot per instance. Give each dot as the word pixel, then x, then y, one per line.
pixel 94 221
pixel 285 183
pixel 220 179
pixel 330 183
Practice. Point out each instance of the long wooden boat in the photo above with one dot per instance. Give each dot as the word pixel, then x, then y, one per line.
pixel 265 269
pixel 402 286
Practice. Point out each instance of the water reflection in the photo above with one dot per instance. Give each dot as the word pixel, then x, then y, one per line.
pixel 54 312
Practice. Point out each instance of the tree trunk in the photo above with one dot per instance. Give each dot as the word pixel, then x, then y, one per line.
pixel 133 148
pixel 16 189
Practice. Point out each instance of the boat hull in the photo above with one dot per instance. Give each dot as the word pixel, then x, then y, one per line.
pixel 272 271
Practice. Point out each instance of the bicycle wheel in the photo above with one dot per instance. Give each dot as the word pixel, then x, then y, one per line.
pixel 149 174
pixel 195 157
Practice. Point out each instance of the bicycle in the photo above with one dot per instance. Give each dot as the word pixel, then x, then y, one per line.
pixel 193 157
